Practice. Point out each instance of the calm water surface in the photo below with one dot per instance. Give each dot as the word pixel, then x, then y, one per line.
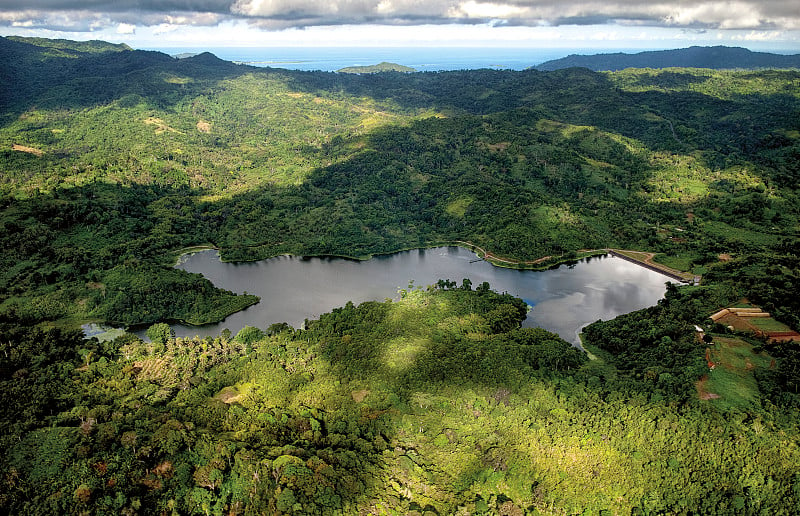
pixel 422 59
pixel 293 289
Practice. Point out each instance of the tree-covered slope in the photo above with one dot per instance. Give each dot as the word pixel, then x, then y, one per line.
pixel 718 57
pixel 125 157
pixel 437 403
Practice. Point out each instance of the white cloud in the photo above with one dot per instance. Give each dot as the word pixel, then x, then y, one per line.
pixel 18 18
pixel 725 15
pixel 760 36
pixel 165 28
pixel 277 14
pixel 486 10
pixel 650 23
pixel 126 28
pixel 606 36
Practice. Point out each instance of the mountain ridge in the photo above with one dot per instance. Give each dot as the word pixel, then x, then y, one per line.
pixel 92 46
pixel 717 57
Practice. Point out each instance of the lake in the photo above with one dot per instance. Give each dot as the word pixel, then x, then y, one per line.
pixel 293 289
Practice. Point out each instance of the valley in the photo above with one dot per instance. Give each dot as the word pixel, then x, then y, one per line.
pixel 116 161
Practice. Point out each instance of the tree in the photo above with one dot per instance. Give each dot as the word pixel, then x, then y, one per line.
pixel 249 335
pixel 159 333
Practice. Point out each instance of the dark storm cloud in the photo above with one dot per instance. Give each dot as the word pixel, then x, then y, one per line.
pixel 106 6
pixel 723 14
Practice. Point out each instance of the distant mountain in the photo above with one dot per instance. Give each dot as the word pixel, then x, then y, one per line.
pixel 718 57
pixel 86 47
pixel 207 59
pixel 39 68
pixel 380 67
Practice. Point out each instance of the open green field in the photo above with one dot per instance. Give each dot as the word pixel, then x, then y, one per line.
pixel 682 262
pixel 768 324
pixel 732 379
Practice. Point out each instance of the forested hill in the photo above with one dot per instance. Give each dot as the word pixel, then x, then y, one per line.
pixel 75 48
pixel 377 68
pixel 71 73
pixel 718 58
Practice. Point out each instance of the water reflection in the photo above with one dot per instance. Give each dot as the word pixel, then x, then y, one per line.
pixel 293 289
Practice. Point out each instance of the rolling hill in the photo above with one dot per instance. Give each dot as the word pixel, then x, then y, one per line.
pixel 716 58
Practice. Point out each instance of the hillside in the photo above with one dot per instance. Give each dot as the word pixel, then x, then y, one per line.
pixel 380 67
pixel 437 403
pixel 716 58
pixel 116 160
pixel 77 47
pixel 131 156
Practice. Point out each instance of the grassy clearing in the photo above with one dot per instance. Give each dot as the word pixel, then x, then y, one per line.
pixel 732 379
pixel 458 207
pixel 26 149
pixel 768 324
pixel 681 262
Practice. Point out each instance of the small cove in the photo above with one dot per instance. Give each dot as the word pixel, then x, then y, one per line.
pixel 293 289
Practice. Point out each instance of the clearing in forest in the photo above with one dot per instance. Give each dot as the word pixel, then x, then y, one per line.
pixel 731 383
pixel 747 317
pixel 161 126
pixel 25 148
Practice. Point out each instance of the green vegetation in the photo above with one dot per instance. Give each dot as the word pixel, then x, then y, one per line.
pixel 718 57
pixel 380 67
pixel 769 324
pixel 732 382
pixel 114 161
pixel 79 47
pixel 437 402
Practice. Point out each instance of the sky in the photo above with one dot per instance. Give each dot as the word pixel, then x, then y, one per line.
pixel 568 24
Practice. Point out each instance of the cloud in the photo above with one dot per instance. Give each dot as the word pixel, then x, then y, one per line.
pixel 126 28
pixel 759 36
pixel 76 15
pixel 725 15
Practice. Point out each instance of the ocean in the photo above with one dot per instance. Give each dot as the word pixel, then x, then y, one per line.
pixel 421 59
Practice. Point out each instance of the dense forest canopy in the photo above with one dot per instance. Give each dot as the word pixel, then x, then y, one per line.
pixel 115 160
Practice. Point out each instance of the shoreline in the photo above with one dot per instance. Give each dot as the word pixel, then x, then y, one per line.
pixel 543 263
pixel 640 258
pixel 539 264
